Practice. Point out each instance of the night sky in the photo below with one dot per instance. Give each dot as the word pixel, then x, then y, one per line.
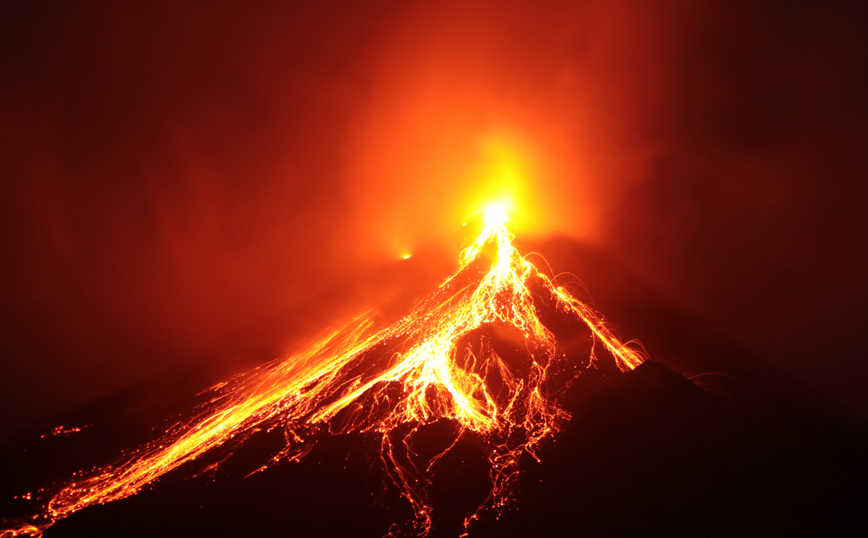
pixel 173 172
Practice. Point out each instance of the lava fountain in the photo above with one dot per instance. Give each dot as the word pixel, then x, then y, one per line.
pixel 412 373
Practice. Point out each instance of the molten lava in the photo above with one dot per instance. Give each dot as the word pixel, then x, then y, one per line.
pixel 419 370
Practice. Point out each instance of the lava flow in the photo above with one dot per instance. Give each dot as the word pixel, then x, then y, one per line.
pixel 423 368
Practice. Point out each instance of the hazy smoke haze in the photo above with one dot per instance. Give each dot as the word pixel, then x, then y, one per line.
pixel 174 172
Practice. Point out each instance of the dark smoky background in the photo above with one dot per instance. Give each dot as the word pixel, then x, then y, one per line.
pixel 173 173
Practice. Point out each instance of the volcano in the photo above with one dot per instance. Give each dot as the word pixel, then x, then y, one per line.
pixel 482 353
pixel 499 405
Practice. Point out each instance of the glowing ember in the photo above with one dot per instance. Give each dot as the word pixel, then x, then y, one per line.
pixel 419 370
pixel 60 430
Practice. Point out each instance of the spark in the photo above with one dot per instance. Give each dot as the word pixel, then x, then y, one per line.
pixel 414 372
pixel 61 430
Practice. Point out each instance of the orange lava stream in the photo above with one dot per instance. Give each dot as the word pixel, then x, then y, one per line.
pixel 410 374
